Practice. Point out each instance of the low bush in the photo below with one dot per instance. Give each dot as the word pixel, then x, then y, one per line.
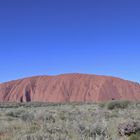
pixel 15 113
pixel 135 136
pixel 117 104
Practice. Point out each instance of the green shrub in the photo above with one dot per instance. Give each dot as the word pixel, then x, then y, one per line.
pixel 102 105
pixel 117 104
pixel 134 137
pixel 15 113
pixel 27 117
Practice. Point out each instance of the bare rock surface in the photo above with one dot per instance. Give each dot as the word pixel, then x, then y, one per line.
pixel 69 88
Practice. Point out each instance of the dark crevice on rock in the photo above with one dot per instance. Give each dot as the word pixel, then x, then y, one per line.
pixel 27 96
pixel 21 99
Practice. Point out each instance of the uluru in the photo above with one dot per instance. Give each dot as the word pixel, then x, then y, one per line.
pixel 69 88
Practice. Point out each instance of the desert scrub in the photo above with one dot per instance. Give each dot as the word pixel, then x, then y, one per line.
pixel 76 121
pixel 116 104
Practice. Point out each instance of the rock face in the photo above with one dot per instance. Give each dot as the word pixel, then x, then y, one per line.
pixel 69 88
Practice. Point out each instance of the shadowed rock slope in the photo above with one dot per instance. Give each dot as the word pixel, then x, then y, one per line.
pixel 69 88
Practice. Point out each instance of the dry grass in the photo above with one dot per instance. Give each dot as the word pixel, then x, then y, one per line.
pixel 75 121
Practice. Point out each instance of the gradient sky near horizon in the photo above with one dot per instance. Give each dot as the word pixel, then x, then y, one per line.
pixel 49 37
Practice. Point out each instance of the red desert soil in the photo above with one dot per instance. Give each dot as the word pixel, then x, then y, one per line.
pixel 69 88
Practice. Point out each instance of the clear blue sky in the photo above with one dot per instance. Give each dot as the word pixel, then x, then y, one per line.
pixel 41 37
